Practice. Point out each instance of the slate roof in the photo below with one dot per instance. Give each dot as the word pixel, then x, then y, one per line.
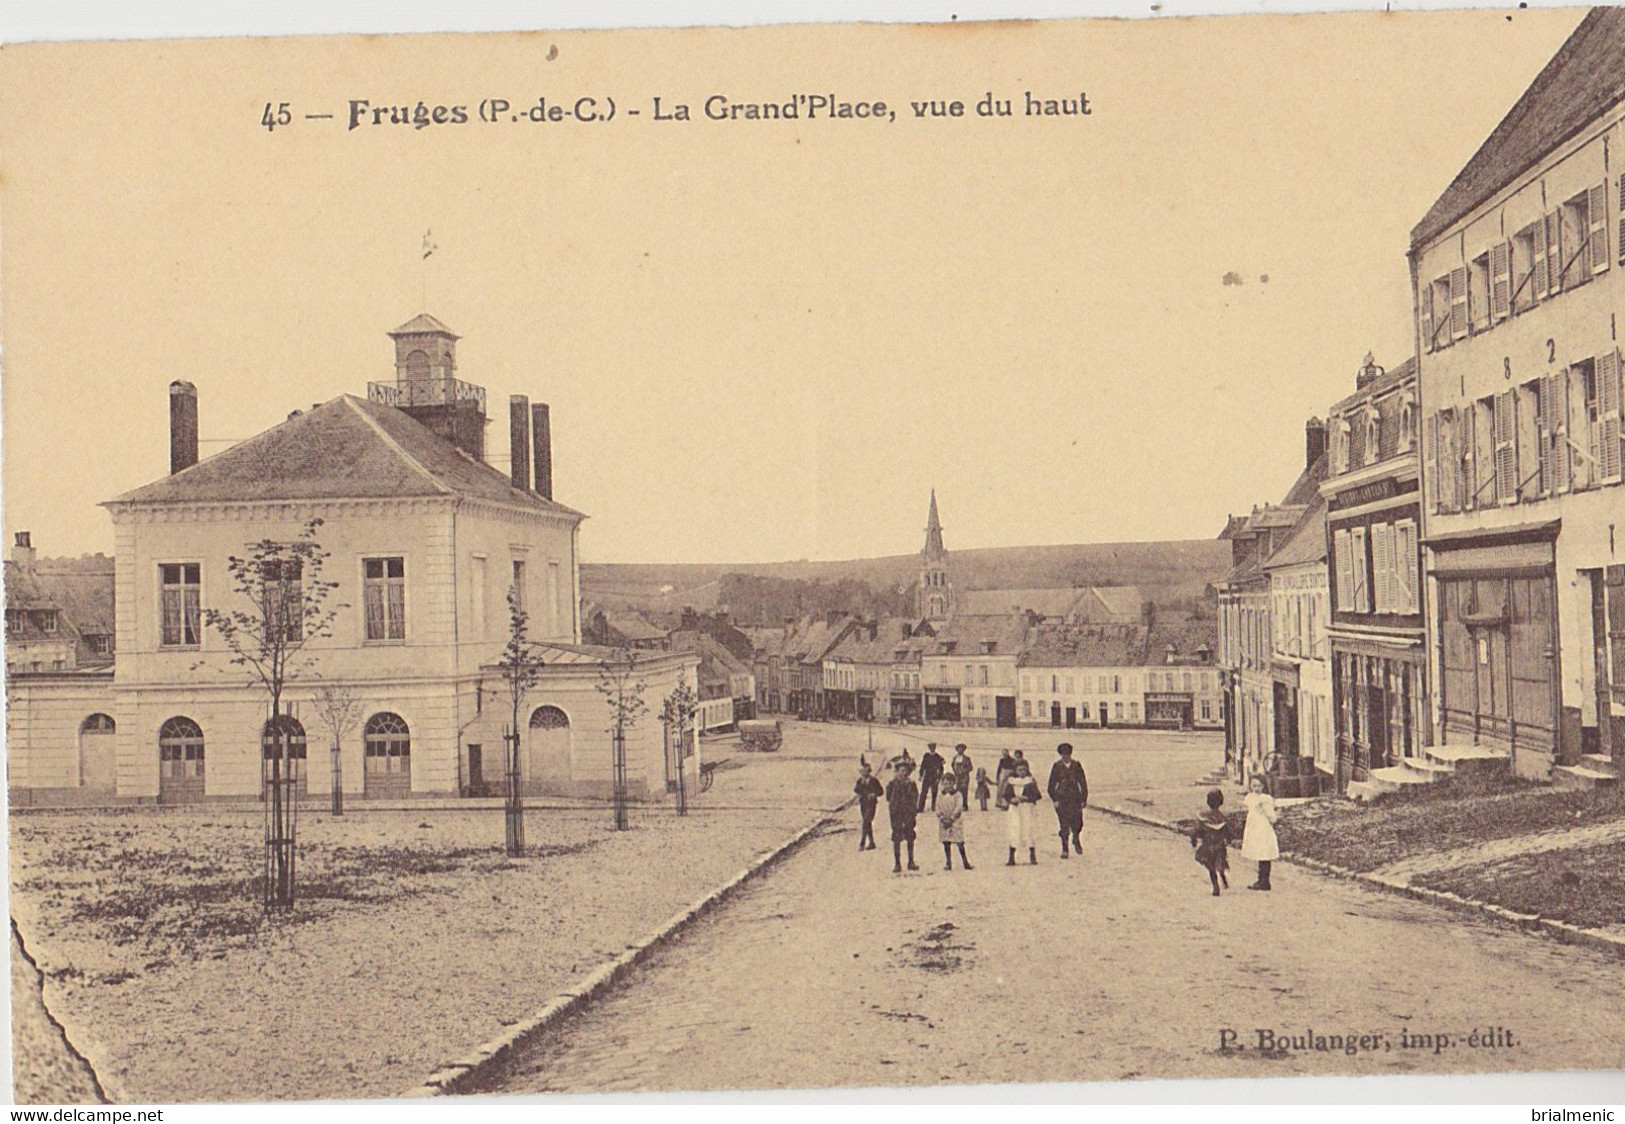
pixel 1583 79
pixel 1087 645
pixel 1306 543
pixel 347 448
pixel 965 632
pixel 633 627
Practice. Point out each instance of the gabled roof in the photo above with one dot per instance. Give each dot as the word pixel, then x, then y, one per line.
pixel 633 627
pixel 421 323
pixel 1123 602
pixel 1044 602
pixel 347 448
pixel 1306 543
pixel 1580 83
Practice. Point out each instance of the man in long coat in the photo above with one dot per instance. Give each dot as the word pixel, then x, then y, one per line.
pixel 1069 791
pixel 931 764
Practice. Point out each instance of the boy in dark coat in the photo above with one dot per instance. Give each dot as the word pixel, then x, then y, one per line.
pixel 931 764
pixel 1069 790
pixel 902 800
pixel 868 792
pixel 1211 841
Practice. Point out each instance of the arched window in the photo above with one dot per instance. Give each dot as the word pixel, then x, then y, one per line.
pixel 1373 436
pixel 99 724
pixel 388 744
pixel 180 751
pixel 549 718
pixel 417 364
pixel 295 734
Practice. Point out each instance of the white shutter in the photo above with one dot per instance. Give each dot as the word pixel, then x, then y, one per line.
pixel 1609 394
pixel 1382 545
pixel 1541 290
pixel 1506 448
pixel 1500 281
pixel 1557 431
pixel 1362 584
pixel 1619 242
pixel 1405 565
pixel 1543 427
pixel 1425 304
pixel 1343 550
pixel 1554 253
pixel 1597 241
pixel 1430 460
pixel 1458 302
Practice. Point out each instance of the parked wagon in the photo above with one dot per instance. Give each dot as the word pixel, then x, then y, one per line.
pixel 761 734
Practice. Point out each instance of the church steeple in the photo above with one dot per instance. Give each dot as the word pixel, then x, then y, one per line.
pixel 934 597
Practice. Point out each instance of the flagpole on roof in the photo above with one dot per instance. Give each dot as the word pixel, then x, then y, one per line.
pixel 428 248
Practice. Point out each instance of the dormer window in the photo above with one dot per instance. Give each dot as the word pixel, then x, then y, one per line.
pixel 1407 424
pixel 1341 436
pixel 1373 435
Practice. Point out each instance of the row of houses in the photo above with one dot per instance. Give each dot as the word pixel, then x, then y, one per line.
pixel 1032 657
pixel 1008 670
pixel 1444 583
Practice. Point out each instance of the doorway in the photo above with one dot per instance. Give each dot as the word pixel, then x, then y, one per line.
pixel 1071 717
pixel 1600 596
pixel 476 770
pixel 1004 707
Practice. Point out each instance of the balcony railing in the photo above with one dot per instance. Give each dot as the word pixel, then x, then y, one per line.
pixel 427 392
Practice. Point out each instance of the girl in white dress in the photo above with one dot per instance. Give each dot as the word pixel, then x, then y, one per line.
pixel 1021 795
pixel 1258 840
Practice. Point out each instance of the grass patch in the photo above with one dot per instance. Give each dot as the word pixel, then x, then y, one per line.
pixel 1451 814
pixel 1584 886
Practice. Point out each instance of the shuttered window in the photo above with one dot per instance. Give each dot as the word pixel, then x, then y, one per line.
pixel 1458 303
pixel 1597 240
pixel 1406 566
pixel 1554 254
pixel 1506 448
pixel 1361 594
pixel 1556 403
pixel 1382 565
pixel 1539 288
pixel 1500 281
pixel 1430 460
pixel 1342 553
pixel 1609 394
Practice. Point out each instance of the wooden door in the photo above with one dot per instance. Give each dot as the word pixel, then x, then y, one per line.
pixel 1530 651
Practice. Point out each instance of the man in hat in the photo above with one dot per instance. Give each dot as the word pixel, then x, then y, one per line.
pixel 1069 791
pixel 931 764
pixel 962 769
pixel 902 798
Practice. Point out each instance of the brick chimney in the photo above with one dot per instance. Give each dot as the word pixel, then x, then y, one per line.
pixel 519 440
pixel 1314 441
pixel 22 553
pixel 182 426
pixel 542 430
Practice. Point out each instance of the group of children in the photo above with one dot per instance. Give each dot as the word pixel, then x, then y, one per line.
pixel 1210 839
pixel 1018 794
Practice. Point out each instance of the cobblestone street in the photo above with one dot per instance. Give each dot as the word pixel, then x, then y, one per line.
pixel 833 971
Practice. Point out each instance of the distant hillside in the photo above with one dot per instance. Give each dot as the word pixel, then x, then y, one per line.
pixel 1169 573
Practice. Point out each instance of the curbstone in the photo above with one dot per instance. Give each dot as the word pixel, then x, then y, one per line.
pixel 455 1077
pixel 1529 922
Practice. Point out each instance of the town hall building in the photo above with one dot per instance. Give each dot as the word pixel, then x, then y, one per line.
pixel 424 541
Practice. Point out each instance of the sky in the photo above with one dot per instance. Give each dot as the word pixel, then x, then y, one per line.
pixel 760 341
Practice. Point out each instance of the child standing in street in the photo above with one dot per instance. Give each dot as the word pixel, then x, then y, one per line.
pixel 983 788
pixel 1211 840
pixel 868 792
pixel 1258 840
pixel 951 823
pixel 1019 795
pixel 902 799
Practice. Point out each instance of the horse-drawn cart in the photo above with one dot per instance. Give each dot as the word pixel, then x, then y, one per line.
pixel 761 734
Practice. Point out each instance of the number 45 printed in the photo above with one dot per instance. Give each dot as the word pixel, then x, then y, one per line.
pixel 276 115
